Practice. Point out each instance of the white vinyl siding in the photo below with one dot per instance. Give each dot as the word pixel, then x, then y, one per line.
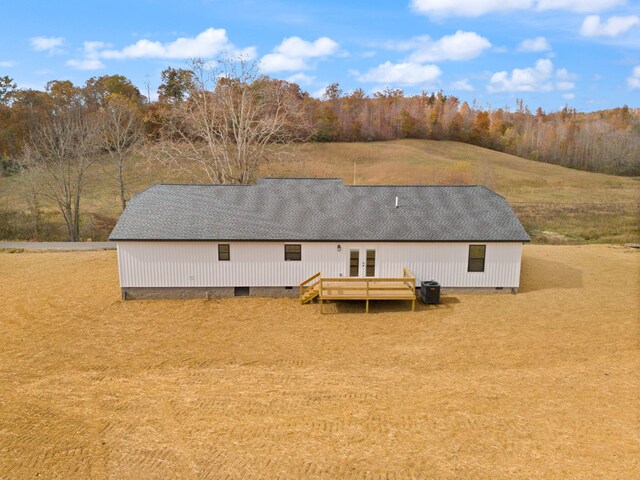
pixel 262 264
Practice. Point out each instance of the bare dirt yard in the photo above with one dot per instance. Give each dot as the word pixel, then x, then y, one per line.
pixel 542 384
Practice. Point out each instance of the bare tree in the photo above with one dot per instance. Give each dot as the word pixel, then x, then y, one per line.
pixel 121 132
pixel 59 152
pixel 233 121
pixel 30 191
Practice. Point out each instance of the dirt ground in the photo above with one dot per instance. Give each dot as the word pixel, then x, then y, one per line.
pixel 542 384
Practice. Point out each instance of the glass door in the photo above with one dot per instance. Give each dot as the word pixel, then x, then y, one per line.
pixel 354 262
pixel 370 267
pixel 362 262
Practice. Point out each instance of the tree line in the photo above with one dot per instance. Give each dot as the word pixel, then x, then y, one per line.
pixel 606 141
pixel 222 120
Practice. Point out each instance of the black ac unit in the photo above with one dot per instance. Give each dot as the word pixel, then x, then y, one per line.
pixel 430 292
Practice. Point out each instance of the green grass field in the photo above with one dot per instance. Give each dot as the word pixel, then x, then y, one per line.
pixel 555 204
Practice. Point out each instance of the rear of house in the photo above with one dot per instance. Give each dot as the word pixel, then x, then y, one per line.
pixel 265 239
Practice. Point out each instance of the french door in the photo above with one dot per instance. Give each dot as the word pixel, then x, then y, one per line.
pixel 362 262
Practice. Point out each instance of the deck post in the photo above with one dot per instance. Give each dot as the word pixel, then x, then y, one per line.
pixel 384 288
pixel 367 294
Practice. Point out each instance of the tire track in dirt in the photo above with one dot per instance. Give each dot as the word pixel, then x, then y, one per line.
pixel 178 437
pixel 254 389
pixel 40 441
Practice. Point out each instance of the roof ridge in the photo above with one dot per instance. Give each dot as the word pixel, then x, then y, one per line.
pixel 320 179
pixel 167 184
pixel 203 184
pixel 418 185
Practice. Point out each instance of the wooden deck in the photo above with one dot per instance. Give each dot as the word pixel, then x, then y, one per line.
pixel 400 288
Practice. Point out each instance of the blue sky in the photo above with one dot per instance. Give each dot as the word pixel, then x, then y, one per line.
pixel 585 53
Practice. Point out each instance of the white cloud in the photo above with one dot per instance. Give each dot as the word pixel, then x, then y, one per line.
pixel 523 80
pixel 209 43
pixel 580 6
pixel 277 62
pixel 297 47
pixel 459 46
pixel 564 78
pixel 539 78
pixel 462 85
pixel 301 79
pixel 538 44
pixel 476 8
pixel 568 96
pixel 8 63
pixel 634 80
pixel 565 85
pixel 614 26
pixel 47 44
pixel 467 8
pixel 402 74
pixel 85 64
pixel 293 53
pixel 92 49
pixel 91 60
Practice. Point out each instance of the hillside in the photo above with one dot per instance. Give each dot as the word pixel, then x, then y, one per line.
pixel 556 204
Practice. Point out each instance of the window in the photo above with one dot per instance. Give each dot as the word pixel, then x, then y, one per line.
pixel 476 258
pixel 293 253
pixel 224 253
pixel 371 263
pixel 354 263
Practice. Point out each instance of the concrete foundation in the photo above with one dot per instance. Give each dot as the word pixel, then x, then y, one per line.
pixel 476 290
pixel 293 292
pixel 145 293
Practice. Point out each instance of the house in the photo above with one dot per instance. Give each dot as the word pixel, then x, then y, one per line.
pixel 265 239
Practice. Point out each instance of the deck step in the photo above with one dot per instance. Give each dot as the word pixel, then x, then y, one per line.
pixel 310 295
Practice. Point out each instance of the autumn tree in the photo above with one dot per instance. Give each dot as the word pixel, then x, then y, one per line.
pixel 480 130
pixel 333 92
pixel 354 112
pixel 7 87
pixel 97 89
pixel 176 85
pixel 64 94
pixel 27 110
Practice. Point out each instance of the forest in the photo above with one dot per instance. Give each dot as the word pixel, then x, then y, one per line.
pixel 220 123
pixel 605 141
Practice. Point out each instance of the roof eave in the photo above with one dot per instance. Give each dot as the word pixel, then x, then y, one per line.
pixel 219 240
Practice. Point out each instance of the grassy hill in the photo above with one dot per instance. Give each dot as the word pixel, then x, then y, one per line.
pixel 556 204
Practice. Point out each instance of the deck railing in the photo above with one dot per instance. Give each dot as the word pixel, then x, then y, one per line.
pixel 369 288
pixel 308 285
pixel 410 278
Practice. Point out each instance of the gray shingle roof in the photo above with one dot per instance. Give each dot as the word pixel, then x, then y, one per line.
pixel 318 210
